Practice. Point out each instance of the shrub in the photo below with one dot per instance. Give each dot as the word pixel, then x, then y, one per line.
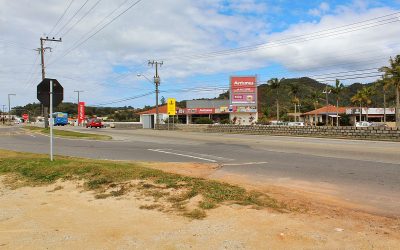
pixel 204 120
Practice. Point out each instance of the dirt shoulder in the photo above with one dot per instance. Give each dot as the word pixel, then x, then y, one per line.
pixel 67 218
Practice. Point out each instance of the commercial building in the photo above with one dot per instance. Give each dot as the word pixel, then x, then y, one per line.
pixel 371 114
pixel 325 115
pixel 241 108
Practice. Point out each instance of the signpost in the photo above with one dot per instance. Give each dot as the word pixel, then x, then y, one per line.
pixel 50 93
pixel 171 110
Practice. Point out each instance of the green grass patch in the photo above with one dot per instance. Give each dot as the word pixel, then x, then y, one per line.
pixel 100 175
pixel 69 134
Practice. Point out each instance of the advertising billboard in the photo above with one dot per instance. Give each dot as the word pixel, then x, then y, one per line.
pixel 81 112
pixel 243 90
pixel 171 106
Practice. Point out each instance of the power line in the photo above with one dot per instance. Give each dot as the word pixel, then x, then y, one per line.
pixel 82 17
pixel 300 38
pixel 61 17
pixel 125 99
pixel 69 20
pixel 78 44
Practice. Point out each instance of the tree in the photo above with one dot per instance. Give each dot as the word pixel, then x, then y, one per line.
pixel 275 84
pixel 162 100
pixel 367 93
pixel 393 72
pixel 337 90
pixel 315 97
pixel 358 97
pixel 384 83
pixel 294 90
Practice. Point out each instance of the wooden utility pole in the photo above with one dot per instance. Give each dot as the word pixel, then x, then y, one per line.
pixel 41 50
pixel 156 84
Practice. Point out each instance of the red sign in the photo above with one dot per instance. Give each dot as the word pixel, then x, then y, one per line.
pixel 243 90
pixel 81 112
pixel 25 117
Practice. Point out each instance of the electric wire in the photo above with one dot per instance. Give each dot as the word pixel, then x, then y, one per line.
pixel 73 16
pixel 80 19
pixel 61 17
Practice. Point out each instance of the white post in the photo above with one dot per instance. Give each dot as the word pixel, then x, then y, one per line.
pixel 51 120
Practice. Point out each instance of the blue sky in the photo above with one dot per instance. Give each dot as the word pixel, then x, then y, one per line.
pixel 182 33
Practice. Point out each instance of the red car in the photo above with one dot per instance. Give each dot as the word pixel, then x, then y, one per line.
pixel 94 123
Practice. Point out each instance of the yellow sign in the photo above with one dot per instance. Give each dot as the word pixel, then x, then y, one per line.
pixel 171 107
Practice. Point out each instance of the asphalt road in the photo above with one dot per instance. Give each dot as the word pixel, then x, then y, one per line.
pixel 363 172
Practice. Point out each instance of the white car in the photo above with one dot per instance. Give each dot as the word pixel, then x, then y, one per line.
pixel 363 124
pixel 299 124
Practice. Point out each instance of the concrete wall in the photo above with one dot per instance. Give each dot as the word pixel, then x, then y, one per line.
pixel 370 133
pixel 125 125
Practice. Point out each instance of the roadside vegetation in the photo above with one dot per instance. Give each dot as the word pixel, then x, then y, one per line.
pixel 69 134
pixel 167 192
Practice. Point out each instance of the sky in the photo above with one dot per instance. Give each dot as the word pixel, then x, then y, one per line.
pixel 107 44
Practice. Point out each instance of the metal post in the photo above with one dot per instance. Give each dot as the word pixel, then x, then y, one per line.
pixel 9 117
pixel 9 108
pixel 51 120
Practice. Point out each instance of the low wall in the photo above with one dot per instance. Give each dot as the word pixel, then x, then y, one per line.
pixel 369 133
pixel 125 125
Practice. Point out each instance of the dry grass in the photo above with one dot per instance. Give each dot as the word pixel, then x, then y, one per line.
pixel 115 179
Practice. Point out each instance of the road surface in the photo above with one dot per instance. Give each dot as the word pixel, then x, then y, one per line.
pixel 363 172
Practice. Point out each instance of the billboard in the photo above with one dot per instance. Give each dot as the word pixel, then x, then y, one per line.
pixel 171 106
pixel 81 112
pixel 243 90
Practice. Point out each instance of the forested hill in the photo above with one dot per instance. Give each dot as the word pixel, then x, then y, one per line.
pixel 305 89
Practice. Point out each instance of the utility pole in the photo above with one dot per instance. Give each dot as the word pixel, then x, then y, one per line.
pixel 9 108
pixel 156 84
pixel 326 92
pixel 78 91
pixel 41 50
pixel 3 117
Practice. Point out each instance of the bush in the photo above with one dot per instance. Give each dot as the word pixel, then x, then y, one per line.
pixel 225 121
pixel 203 120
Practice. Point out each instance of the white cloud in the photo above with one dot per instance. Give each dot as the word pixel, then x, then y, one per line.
pixel 168 30
pixel 321 10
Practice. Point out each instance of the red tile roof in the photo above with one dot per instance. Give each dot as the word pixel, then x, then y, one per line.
pixel 330 109
pixel 161 110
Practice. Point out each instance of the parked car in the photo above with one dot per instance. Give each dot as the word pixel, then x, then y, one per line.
pixel 299 124
pixel 363 124
pixel 94 123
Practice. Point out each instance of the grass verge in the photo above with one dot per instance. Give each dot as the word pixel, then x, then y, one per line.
pixel 69 134
pixel 108 178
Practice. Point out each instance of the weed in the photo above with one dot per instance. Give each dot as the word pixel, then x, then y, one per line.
pixel 150 207
pixel 207 205
pixel 197 214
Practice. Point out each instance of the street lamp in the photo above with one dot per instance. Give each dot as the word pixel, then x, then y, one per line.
pixel 156 84
pixel 9 108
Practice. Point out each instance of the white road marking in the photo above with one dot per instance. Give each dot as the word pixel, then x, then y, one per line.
pixel 184 155
pixel 245 163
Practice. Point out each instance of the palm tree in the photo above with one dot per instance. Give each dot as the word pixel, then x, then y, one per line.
pixel 315 97
pixel 384 83
pixel 393 72
pixel 294 90
pixel 275 83
pixel 358 97
pixel 337 90
pixel 367 93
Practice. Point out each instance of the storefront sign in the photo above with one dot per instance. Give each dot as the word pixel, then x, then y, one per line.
pixel 243 90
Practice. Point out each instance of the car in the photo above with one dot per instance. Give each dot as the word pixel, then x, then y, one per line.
pixel 94 123
pixel 298 124
pixel 363 124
